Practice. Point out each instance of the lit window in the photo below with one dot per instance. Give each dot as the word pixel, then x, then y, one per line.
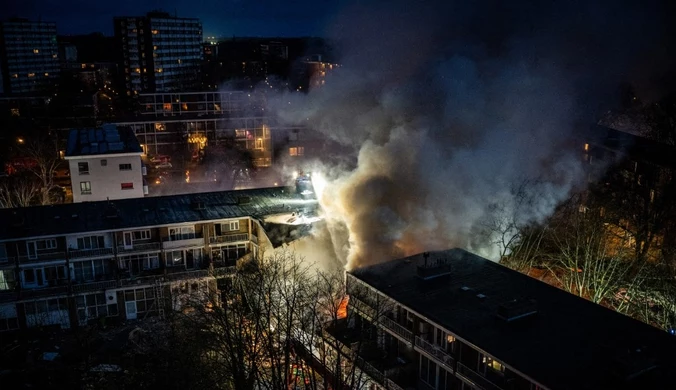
pixel 31 75
pixel 154 47
pixel 155 32
pixel 586 147
pixel 179 60
pixel 137 70
pixel 83 66
pixel 46 74
pixel 104 163
pixel 85 188
pixel 493 364
pixel 127 186
pixel 161 126
pixel 15 75
pixel 53 55
pixel 296 151
pixel 450 339
pixel 240 133
pixel 259 143
pixel 125 167
pixel 167 106
pixel 159 70
pixel 36 51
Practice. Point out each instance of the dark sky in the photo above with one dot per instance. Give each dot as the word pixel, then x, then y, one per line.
pixel 219 17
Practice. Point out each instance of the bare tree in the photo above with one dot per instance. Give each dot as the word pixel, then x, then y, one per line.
pixel 19 193
pixel 44 155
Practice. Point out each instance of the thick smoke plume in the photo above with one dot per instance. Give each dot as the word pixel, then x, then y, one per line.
pixel 449 107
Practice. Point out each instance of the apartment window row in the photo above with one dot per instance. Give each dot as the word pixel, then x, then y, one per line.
pixel 135 264
pixel 83 167
pixel 225 228
pixel 43 276
pixel 86 187
pixel 91 270
pixel 143 299
pixel 92 306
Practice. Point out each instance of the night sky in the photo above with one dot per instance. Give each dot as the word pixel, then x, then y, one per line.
pixel 220 17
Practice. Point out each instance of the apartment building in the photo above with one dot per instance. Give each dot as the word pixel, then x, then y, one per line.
pixel 160 53
pixel 29 54
pixel 453 320
pixel 172 122
pixel 68 264
pixel 105 163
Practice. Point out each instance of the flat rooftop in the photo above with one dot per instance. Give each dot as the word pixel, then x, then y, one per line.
pixel 120 214
pixel 570 343
pixel 109 139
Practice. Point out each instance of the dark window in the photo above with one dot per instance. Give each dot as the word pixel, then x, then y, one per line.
pixel 125 167
pixel 83 168
pixel 104 163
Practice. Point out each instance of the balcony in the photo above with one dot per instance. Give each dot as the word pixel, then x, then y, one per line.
pixel 223 271
pixel 135 248
pixel 477 379
pixel 99 252
pixel 182 241
pixel 397 330
pixel 376 374
pixel 365 310
pixel 230 238
pixel 42 257
pixel 435 352
pixel 94 286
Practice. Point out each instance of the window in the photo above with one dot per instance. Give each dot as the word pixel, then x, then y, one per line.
pixel 104 163
pixel 259 143
pixel 175 259
pixel 182 233
pixel 91 270
pixel 85 187
pixel 42 245
pixel 127 186
pixel 92 306
pixel 91 242
pixel 296 151
pixel 224 228
pixel 161 126
pixel 231 252
pixel 137 263
pixel 428 371
pixel 8 317
pixel 83 168
pixel 141 235
pixel 47 312
pixel 144 297
pixel 493 364
pixel 7 281
pixel 240 133
pixel 125 167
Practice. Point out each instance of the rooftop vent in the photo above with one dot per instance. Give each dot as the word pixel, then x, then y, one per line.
pixel 480 296
pixel 197 205
pixel 516 308
pixel 465 288
pixel 432 269
pixel 74 216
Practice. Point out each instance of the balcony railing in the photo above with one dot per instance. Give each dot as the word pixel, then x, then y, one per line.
pixel 94 286
pixel 476 378
pixel 376 374
pixel 145 247
pixel 397 329
pixel 436 352
pixel 229 238
pixel 223 271
pixel 362 307
pixel 79 253
pixel 43 256
pixel 179 241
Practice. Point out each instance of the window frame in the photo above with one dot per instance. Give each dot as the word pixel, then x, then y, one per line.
pixel 125 167
pixel 126 186
pixel 83 168
pixel 85 188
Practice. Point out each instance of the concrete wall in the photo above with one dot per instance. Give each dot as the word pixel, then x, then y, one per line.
pixel 106 179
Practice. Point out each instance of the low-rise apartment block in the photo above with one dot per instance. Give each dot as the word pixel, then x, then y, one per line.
pixel 453 320
pixel 68 264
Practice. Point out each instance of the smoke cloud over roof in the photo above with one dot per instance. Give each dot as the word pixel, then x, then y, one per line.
pixel 450 107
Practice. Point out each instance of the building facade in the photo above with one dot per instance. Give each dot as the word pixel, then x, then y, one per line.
pixel 29 56
pixel 105 164
pixel 453 320
pixel 171 122
pixel 159 53
pixel 66 265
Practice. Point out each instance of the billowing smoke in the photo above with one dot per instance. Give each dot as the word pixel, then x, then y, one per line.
pixel 449 107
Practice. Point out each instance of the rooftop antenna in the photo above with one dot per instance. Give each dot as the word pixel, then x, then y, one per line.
pixel 425 256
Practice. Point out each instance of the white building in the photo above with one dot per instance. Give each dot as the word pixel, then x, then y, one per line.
pixel 105 163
